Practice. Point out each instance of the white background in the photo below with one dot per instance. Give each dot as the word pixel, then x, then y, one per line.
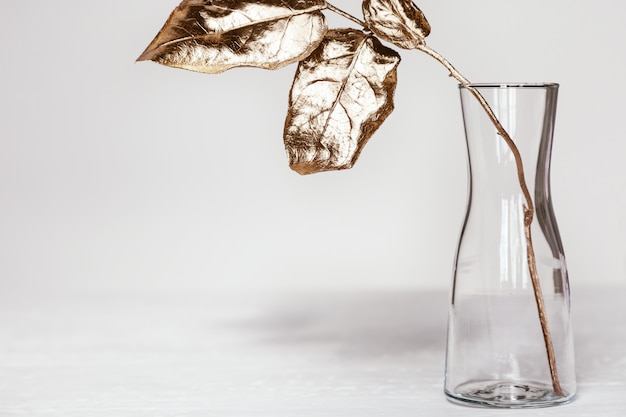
pixel 115 173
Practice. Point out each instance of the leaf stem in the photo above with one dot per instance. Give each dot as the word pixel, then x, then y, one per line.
pixel 529 211
pixel 346 15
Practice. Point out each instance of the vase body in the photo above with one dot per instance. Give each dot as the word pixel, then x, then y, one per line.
pixel 497 350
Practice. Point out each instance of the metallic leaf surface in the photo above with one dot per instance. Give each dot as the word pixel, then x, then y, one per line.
pixel 212 36
pixel 341 94
pixel 400 22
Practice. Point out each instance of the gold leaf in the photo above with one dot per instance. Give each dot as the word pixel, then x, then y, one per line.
pixel 400 22
pixel 212 36
pixel 340 95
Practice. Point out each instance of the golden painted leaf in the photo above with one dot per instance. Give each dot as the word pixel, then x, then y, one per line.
pixel 340 95
pixel 212 36
pixel 400 22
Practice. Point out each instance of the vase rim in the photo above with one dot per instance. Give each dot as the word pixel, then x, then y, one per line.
pixel 511 85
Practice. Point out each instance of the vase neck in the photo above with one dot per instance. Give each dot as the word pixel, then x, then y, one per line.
pixel 527 113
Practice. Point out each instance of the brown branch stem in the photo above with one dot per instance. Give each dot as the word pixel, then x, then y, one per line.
pixel 346 15
pixel 529 211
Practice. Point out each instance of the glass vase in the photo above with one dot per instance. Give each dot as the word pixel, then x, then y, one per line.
pixel 509 339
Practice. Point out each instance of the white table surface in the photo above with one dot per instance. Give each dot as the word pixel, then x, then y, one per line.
pixel 273 354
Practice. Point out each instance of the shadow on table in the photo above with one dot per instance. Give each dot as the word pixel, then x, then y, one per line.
pixel 357 324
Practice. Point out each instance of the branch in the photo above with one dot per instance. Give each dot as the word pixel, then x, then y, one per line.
pixel 529 210
pixel 346 15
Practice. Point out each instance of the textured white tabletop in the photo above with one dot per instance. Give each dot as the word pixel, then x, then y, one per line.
pixel 273 354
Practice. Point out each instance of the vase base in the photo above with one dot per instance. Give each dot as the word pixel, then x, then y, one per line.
pixel 506 394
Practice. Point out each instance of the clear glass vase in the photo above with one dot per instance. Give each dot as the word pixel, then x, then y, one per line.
pixel 497 350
